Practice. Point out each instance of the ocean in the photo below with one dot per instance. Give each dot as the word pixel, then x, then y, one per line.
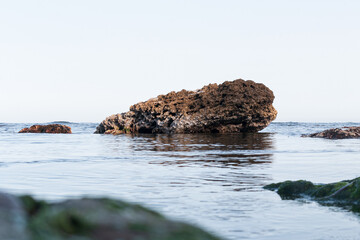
pixel 213 181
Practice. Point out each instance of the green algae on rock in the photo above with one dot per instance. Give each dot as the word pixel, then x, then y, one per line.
pixel 345 193
pixel 91 219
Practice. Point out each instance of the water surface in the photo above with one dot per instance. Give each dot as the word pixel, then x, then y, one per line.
pixel 214 181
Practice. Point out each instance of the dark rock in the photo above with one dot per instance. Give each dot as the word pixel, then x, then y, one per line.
pixel 51 128
pixel 345 194
pixel 291 189
pixel 231 107
pixel 12 218
pixel 337 133
pixel 25 218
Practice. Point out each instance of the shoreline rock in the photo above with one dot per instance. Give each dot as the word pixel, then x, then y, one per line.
pixel 24 218
pixel 230 107
pixel 51 128
pixel 336 133
pixel 345 194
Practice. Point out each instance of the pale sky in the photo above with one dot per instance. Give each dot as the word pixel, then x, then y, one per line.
pixel 83 60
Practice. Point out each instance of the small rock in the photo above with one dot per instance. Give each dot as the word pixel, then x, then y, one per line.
pixel 51 128
pixel 337 133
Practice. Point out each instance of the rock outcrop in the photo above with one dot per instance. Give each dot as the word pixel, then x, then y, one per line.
pixel 231 107
pixel 51 128
pixel 24 218
pixel 344 194
pixel 337 133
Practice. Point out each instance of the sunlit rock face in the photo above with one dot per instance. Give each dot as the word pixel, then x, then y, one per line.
pixel 51 128
pixel 337 133
pixel 231 107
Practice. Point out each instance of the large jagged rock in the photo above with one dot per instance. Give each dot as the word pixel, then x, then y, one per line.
pixel 344 194
pixel 51 128
pixel 24 218
pixel 231 107
pixel 337 133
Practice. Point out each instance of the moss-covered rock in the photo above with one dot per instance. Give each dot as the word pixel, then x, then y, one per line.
pixel 291 189
pixel 90 219
pixel 344 193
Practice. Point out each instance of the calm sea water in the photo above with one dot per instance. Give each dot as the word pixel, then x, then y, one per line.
pixel 214 181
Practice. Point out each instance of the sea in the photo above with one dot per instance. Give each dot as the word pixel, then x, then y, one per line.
pixel 214 181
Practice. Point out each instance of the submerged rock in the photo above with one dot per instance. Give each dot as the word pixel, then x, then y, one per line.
pixel 25 218
pixel 231 107
pixel 51 128
pixel 337 133
pixel 344 193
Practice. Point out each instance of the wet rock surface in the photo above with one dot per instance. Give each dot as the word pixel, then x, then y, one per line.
pixel 24 218
pixel 51 128
pixel 231 107
pixel 344 194
pixel 337 133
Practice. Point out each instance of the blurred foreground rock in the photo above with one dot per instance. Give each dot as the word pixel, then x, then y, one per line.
pixel 12 218
pixel 344 194
pixel 23 218
pixel 337 133
pixel 51 128
pixel 231 107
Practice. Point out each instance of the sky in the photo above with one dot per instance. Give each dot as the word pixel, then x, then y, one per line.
pixel 83 60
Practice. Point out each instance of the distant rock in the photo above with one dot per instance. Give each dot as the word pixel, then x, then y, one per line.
pixel 337 133
pixel 345 194
pixel 51 128
pixel 24 218
pixel 231 107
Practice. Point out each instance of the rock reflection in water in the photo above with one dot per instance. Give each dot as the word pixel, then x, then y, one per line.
pixel 209 150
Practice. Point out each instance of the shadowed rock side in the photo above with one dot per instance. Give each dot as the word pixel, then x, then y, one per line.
pixel 51 128
pixel 12 218
pixel 24 218
pixel 231 107
pixel 344 194
pixel 337 133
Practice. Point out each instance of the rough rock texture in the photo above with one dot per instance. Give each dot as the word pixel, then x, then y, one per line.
pixel 51 128
pixel 345 194
pixel 337 133
pixel 231 107
pixel 25 218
